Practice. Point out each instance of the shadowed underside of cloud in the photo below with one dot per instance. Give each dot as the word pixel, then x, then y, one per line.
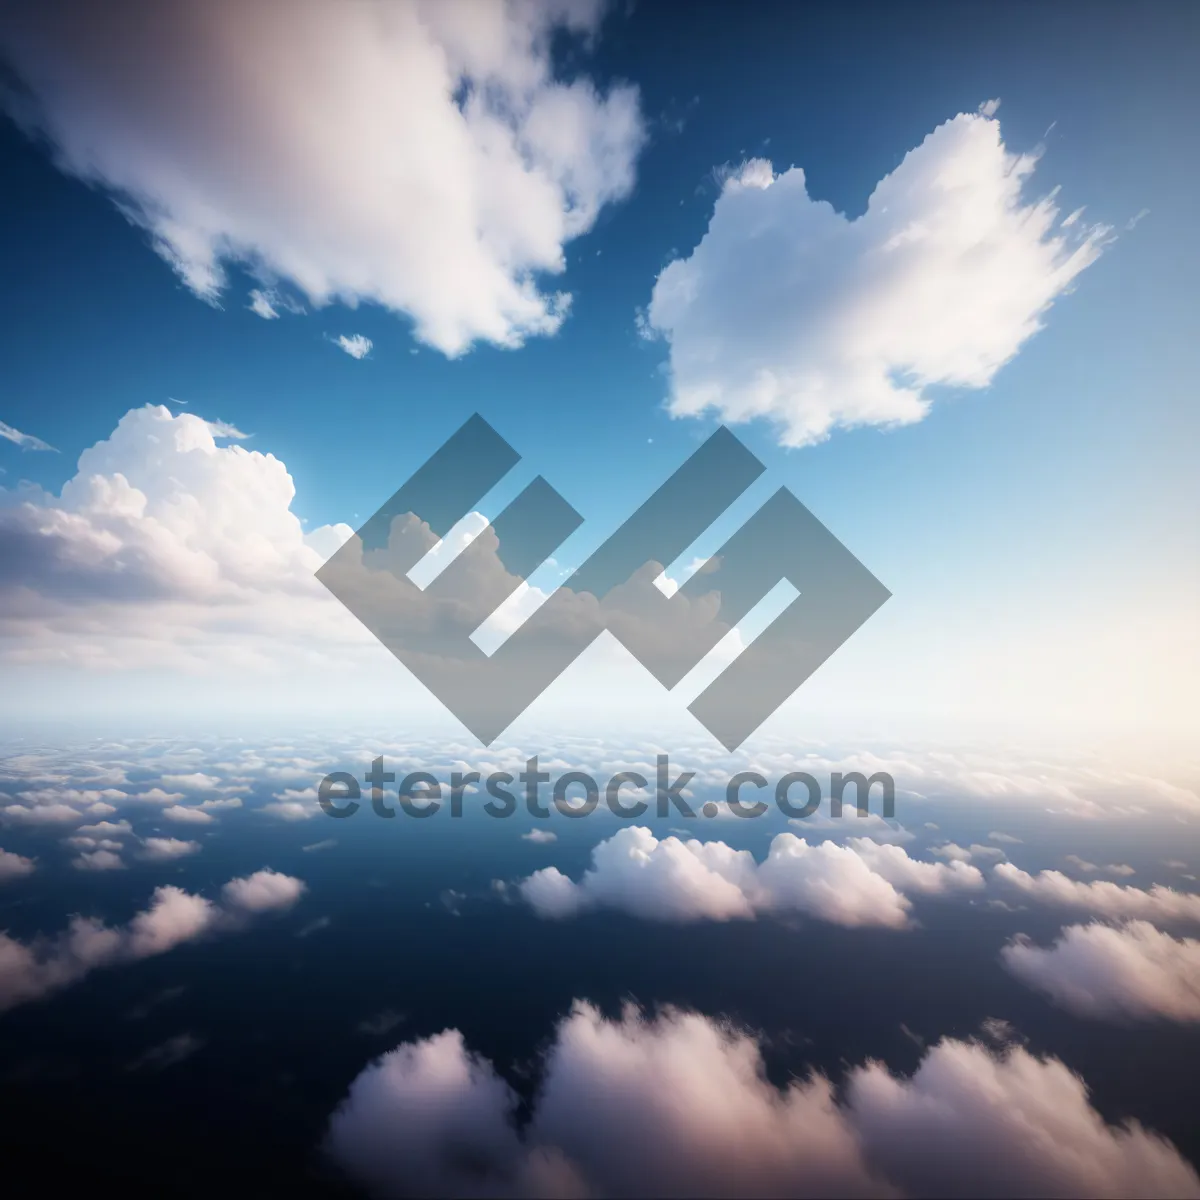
pixel 419 154
pixel 788 310
pixel 1130 972
pixel 861 883
pixel 681 1106
pixel 29 970
pixel 15 866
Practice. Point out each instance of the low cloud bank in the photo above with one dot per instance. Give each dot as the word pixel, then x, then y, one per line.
pixel 680 1105
pixel 30 970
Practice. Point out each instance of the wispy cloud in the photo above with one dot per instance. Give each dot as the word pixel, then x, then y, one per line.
pixel 260 304
pixel 222 429
pixel 355 345
pixel 26 440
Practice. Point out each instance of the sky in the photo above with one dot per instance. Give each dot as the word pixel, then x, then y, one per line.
pixel 997 421
pixel 932 266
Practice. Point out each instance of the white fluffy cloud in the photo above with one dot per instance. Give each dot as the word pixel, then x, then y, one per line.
pixel 99 860
pixel 861 883
pixel 160 849
pixel 788 310
pixel 29 970
pixel 188 816
pixel 1105 899
pixel 264 891
pixel 681 1106
pixel 1097 970
pixel 419 154
pixel 166 549
pixel 40 814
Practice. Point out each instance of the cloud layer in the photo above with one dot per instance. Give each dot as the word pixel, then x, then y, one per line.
pixel 788 310
pixel 861 883
pixel 418 154
pixel 680 1105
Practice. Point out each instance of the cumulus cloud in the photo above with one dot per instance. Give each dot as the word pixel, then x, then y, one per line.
pixel 105 829
pixel 25 440
pixel 92 843
pixel 861 883
pixel 15 866
pixel 98 860
pixel 160 849
pixel 1105 899
pixel 217 805
pixel 292 809
pixel 194 781
pixel 40 814
pixel 355 345
pixel 680 1105
pixel 1096 970
pixel 420 155
pixel 264 891
pixel 1089 868
pixel 188 816
pixel 30 970
pixel 957 853
pixel 163 529
pixel 788 310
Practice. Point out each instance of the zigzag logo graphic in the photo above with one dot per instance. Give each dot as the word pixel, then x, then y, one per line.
pixel 429 629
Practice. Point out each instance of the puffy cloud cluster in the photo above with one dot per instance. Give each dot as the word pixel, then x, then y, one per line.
pixel 161 533
pixel 160 849
pixel 1132 971
pixel 264 891
pixel 1101 897
pixel 29 970
pixel 418 154
pixel 861 883
pixel 681 1105
pixel 103 859
pixel 790 311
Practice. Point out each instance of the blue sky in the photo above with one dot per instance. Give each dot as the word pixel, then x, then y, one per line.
pixel 1049 513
